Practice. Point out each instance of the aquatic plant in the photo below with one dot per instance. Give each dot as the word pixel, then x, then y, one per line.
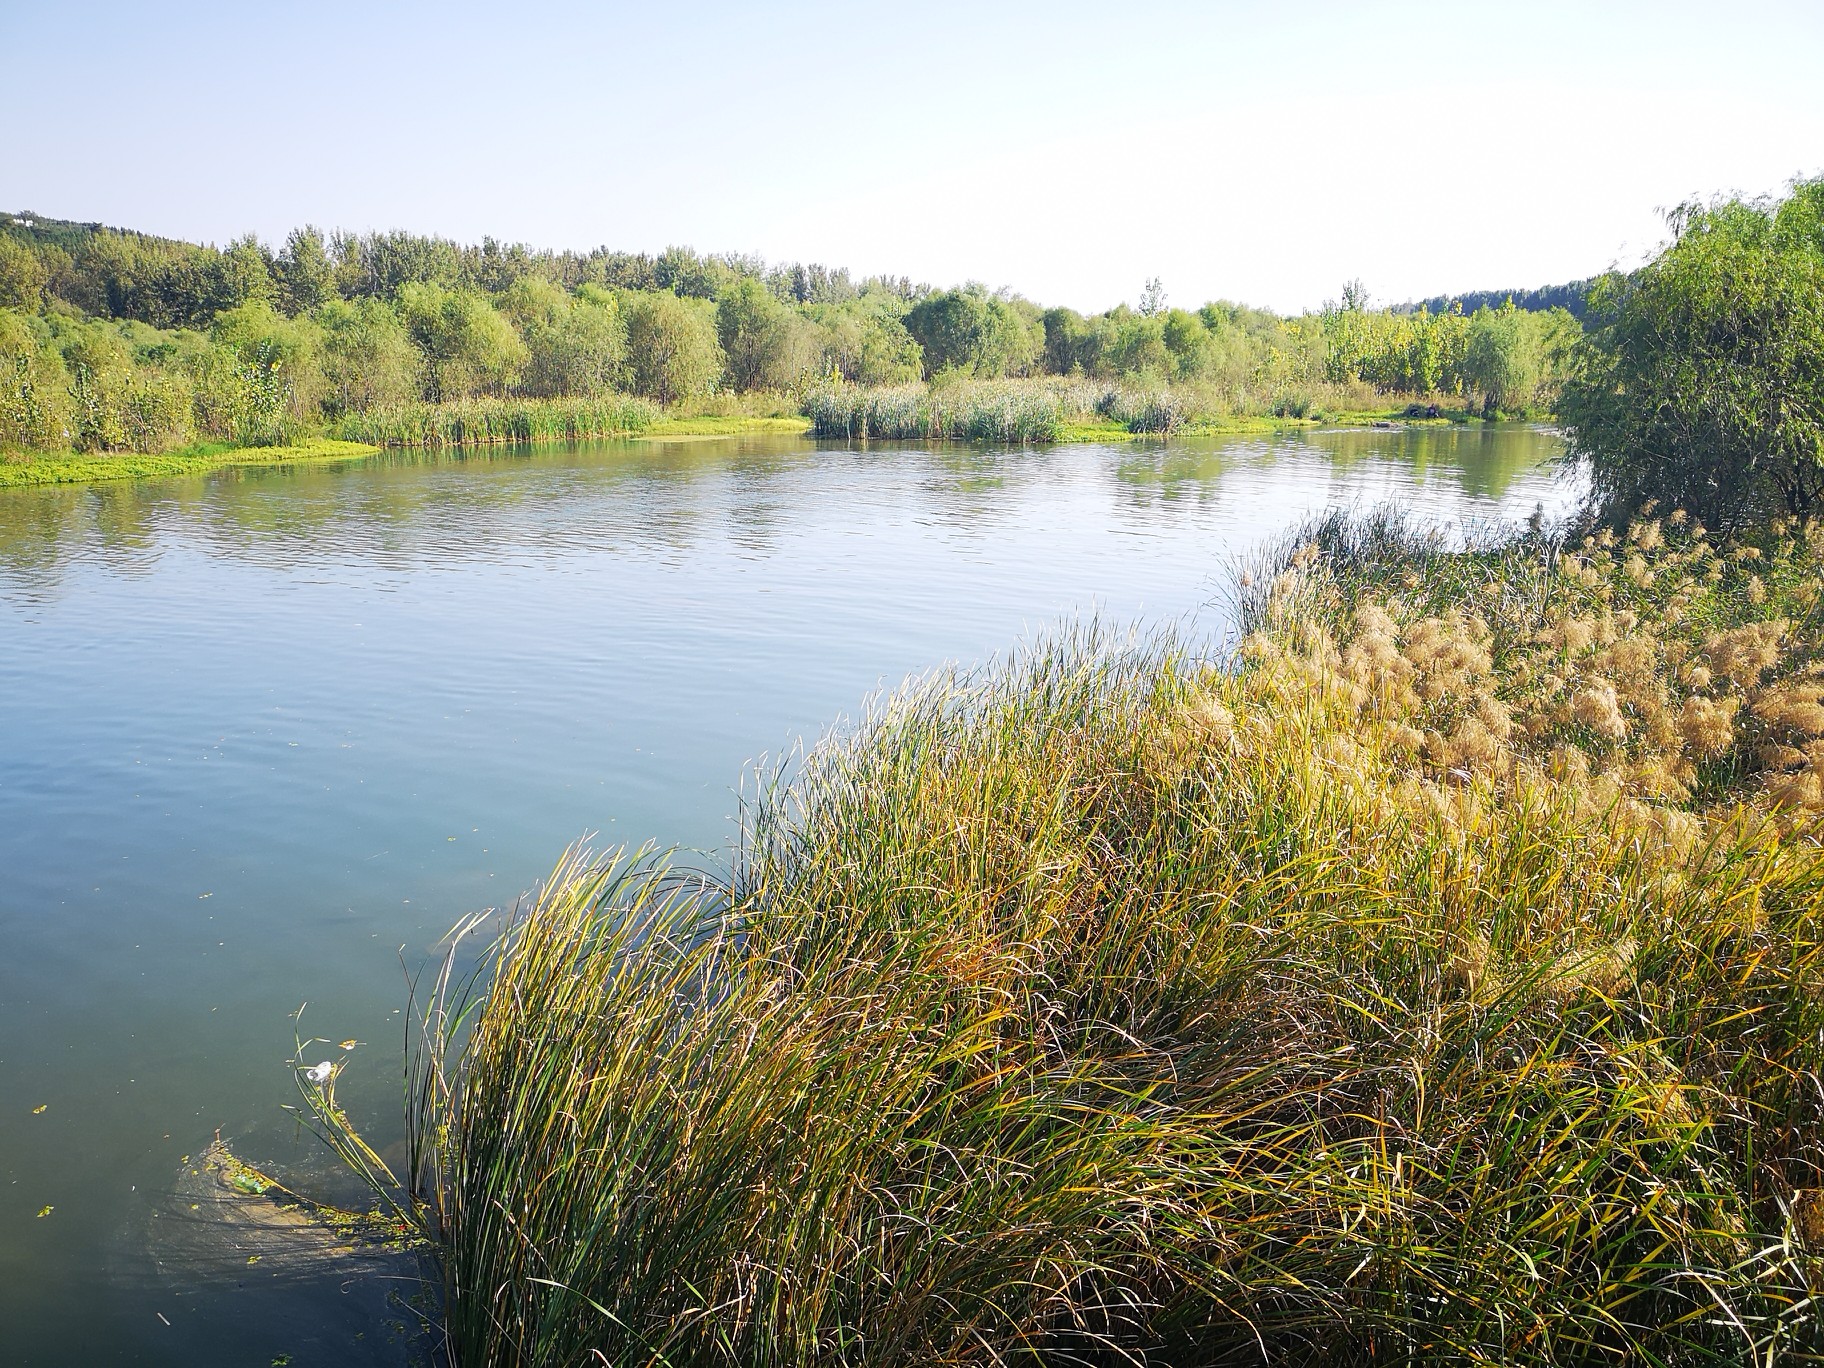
pixel 1156 410
pixel 1414 983
pixel 1010 411
pixel 1653 663
pixel 472 422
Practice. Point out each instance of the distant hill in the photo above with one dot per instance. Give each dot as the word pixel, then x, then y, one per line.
pixel 70 235
pixel 1572 298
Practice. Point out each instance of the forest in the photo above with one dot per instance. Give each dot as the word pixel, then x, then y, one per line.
pixel 119 341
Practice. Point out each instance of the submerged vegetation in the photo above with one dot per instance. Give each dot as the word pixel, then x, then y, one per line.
pixel 114 341
pixel 1432 978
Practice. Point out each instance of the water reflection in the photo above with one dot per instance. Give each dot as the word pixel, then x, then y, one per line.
pixel 263 727
pixel 402 509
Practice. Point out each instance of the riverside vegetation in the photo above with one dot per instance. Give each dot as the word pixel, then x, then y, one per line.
pixel 1429 975
pixel 1432 979
pixel 114 341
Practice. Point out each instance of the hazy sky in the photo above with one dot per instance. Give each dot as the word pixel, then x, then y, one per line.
pixel 1258 152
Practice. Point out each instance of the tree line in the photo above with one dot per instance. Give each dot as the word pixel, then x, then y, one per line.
pixel 112 339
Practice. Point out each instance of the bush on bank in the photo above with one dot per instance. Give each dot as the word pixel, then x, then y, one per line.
pixel 1701 383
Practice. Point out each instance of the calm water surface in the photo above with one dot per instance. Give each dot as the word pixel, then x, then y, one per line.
pixel 261 729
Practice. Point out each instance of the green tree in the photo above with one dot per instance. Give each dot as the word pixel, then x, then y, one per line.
pixel 889 354
pixel 767 345
pixel 1068 348
pixel 285 350
pixel 23 277
pixel 1188 343
pixel 468 347
pixel 34 386
pixel 863 339
pixel 532 302
pixel 575 344
pixel 368 361
pixel 304 275
pixel 382 264
pixel 690 276
pixel 1133 344
pixel 672 348
pixel 971 330
pixel 1500 360
pixel 1701 383
pixel 100 368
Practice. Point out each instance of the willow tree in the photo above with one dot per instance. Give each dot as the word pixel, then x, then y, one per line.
pixel 672 347
pixel 468 347
pixel 1701 381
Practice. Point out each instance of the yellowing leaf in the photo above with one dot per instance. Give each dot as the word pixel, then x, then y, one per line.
pixel 46 1212
pixel 36 1110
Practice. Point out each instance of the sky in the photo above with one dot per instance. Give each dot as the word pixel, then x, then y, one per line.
pixel 1263 153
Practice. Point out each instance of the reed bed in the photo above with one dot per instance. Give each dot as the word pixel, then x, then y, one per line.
pixel 1160 410
pixel 1353 997
pixel 477 422
pixel 1044 409
pixel 1010 411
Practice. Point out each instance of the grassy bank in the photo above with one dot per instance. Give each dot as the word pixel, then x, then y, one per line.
pixel 733 425
pixel 1054 410
pixel 1433 980
pixel 486 422
pixel 436 426
pixel 42 468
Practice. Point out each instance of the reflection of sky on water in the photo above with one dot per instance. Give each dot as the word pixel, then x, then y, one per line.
pixel 404 510
pixel 262 728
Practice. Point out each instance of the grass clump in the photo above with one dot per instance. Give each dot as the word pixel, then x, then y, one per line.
pixel 1016 412
pixel 1430 981
pixel 478 422
pixel 1650 666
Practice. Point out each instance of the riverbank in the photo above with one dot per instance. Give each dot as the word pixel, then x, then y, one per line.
pixel 1043 410
pixel 1108 430
pixel 20 470
pixel 1433 979
pixel 28 468
pixel 710 425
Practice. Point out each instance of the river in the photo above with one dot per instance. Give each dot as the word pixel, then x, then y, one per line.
pixel 266 733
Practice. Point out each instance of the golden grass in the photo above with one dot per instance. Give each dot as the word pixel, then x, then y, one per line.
pixel 1436 981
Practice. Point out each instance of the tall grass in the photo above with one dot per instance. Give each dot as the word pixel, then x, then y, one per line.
pixel 1156 410
pixel 1015 411
pixel 1344 1000
pixel 469 422
pixel 1041 410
